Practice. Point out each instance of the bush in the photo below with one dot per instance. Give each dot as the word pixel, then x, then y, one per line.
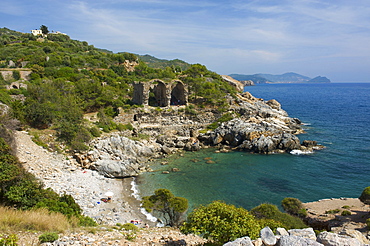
pixel 10 240
pixel 95 132
pixel 48 237
pixel 293 206
pixel 129 227
pixel 346 213
pixel 222 222
pixel 368 223
pixel 269 211
pixel 365 196
pixel 333 211
pixel 86 221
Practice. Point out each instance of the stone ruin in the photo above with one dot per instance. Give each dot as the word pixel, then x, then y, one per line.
pixel 157 93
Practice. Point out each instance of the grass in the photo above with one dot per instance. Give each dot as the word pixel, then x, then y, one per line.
pixel 38 220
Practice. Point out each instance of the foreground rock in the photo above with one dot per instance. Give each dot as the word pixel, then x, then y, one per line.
pixel 327 214
pixel 298 237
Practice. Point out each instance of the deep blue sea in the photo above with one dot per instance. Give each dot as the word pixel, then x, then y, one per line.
pixel 336 115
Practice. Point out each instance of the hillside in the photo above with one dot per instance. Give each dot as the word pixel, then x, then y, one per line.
pixel 283 78
pixel 154 62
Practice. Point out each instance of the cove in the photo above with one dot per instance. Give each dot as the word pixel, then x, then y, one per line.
pixel 335 116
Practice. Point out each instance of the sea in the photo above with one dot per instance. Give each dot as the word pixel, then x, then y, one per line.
pixel 336 115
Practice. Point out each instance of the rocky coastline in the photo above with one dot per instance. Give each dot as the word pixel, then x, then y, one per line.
pixel 253 125
pixel 114 159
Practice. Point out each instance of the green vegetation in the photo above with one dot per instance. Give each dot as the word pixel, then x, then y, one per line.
pixel 224 118
pixel 22 190
pixel 333 211
pixel 269 211
pixel 70 78
pixel 221 222
pixel 9 240
pixel 365 196
pixel 170 208
pixel 294 206
pixel 346 213
pixel 48 237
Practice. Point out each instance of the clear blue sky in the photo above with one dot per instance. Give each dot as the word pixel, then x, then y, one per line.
pixel 309 37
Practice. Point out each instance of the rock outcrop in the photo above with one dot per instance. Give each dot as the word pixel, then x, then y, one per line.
pixel 298 237
pixel 116 156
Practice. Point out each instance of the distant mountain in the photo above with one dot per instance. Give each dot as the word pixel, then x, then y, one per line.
pixel 257 79
pixel 154 62
pixel 320 79
pixel 283 78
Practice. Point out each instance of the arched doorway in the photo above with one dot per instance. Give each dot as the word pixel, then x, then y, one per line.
pixel 158 95
pixel 178 94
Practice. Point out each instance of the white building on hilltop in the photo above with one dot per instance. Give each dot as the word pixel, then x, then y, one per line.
pixel 36 32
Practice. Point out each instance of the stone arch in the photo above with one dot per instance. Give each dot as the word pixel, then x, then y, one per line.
pixel 158 94
pixel 178 93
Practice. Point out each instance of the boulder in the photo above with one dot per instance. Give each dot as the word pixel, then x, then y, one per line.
pixel 354 234
pixel 117 156
pixel 117 169
pixel 274 104
pixel 333 239
pixel 306 233
pixel 244 241
pixel 268 236
pixel 281 232
pixel 297 241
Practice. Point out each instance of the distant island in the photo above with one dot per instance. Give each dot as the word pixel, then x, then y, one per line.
pixel 261 78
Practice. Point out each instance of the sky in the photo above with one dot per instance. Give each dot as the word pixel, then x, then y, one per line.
pixel 310 37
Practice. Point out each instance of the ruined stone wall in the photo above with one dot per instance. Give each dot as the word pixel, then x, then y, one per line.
pixel 160 94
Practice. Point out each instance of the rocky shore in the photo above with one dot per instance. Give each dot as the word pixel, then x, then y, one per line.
pixel 303 237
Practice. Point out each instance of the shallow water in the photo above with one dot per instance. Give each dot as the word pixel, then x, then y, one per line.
pixel 337 116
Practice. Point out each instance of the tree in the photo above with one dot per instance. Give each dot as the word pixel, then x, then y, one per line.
pixel 172 209
pixel 293 206
pixel 44 29
pixel 365 196
pixel 222 222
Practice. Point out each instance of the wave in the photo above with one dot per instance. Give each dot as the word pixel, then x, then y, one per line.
pixel 135 190
pixel 135 193
pixel 300 152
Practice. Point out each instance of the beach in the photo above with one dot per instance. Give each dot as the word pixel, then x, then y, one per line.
pixel 86 186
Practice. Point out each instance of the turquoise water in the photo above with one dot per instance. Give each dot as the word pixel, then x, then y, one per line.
pixel 336 115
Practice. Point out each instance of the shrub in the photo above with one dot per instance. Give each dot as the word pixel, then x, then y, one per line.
pixel 269 211
pixel 333 211
pixel 368 223
pixel 346 213
pixel 86 221
pixel 10 240
pixel 293 206
pixel 129 227
pixel 48 237
pixel 95 132
pixel 16 75
pixel 221 222
pixel 365 196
